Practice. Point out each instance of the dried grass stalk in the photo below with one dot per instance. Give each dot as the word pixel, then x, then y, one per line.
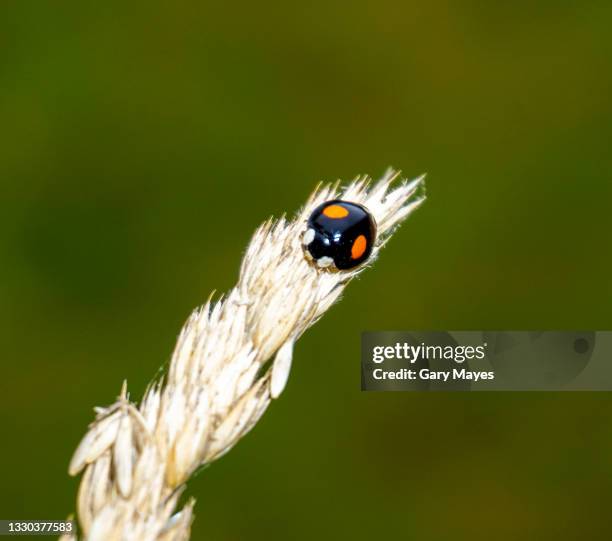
pixel 137 458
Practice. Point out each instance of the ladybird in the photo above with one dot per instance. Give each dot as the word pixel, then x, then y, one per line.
pixel 340 235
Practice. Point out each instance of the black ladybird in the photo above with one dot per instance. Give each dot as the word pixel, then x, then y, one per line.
pixel 339 235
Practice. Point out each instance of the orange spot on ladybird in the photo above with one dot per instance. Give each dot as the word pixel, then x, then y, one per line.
pixel 359 247
pixel 335 211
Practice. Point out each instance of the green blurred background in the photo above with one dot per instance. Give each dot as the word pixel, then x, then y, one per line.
pixel 128 131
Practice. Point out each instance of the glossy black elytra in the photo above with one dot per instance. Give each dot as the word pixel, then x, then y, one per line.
pixel 340 235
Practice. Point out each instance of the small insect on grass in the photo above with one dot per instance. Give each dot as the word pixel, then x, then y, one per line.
pixel 232 358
